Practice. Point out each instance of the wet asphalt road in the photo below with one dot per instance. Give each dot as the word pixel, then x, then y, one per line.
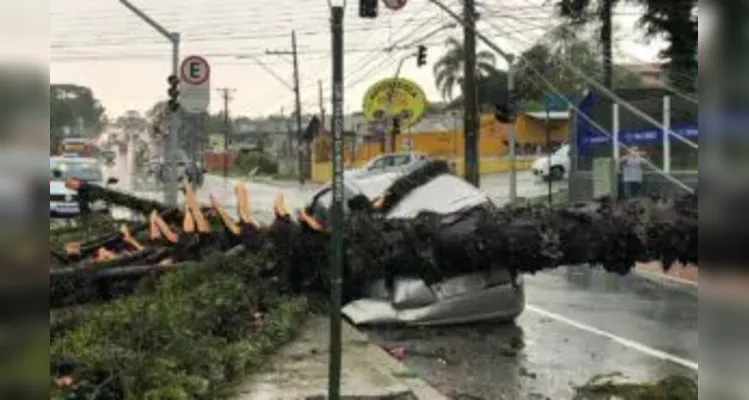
pixel 556 344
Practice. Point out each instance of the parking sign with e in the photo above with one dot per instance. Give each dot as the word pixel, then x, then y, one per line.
pixel 195 70
pixel 195 90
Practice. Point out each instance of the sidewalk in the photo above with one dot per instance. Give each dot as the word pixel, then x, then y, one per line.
pixel 733 288
pixel 300 371
pixel 688 275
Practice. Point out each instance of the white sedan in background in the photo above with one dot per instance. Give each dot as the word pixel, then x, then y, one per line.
pixel 63 202
pixel 391 162
pixel 555 166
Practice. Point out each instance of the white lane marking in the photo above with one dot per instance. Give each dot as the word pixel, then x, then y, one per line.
pixel 631 344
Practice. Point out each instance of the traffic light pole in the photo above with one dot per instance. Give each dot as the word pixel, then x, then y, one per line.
pixel 390 137
pixel 336 245
pixel 470 100
pixel 172 147
pixel 511 132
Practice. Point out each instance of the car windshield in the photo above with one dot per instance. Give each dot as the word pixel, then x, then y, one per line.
pixel 562 151
pixel 85 171
pixel 401 160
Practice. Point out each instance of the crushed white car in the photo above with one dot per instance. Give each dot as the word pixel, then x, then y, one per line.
pixel 471 298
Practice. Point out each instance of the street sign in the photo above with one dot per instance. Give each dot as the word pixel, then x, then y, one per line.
pixel 394 4
pixel 195 88
pixel 390 98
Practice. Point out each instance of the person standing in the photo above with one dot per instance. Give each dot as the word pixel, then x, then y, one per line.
pixel 632 173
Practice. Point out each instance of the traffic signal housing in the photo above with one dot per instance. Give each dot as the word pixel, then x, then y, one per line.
pixel 507 112
pixel 173 92
pixel 421 56
pixel 368 8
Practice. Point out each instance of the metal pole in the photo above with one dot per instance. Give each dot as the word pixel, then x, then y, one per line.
pixel 389 137
pixel 336 245
pixel 511 132
pixel 666 134
pixel 548 148
pixel 469 94
pixel 615 149
pixel 300 141
pixel 172 147
pixel 615 133
pixel 607 41
pixel 226 132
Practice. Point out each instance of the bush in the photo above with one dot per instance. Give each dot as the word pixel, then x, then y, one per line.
pixel 190 337
pixel 262 163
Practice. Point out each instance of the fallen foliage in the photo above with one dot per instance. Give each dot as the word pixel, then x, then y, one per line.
pixel 188 337
pixel 670 388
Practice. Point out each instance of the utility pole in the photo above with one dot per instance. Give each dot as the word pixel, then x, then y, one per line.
pixel 298 103
pixel 294 53
pixel 226 95
pixel 607 41
pixel 470 95
pixel 512 132
pixel 322 103
pixel 172 147
pixel 336 241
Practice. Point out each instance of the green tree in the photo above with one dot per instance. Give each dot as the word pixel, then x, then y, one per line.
pixel 677 22
pixel 72 103
pixel 551 59
pixel 448 70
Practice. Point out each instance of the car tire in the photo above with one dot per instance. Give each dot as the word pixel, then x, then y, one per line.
pixel 556 173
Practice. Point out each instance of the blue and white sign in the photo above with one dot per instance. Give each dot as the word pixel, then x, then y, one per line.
pixel 591 138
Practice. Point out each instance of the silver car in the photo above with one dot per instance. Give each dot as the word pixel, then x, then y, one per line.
pixel 391 162
pixel 463 299
pixel 63 202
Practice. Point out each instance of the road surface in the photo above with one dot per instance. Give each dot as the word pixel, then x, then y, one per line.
pixel 579 323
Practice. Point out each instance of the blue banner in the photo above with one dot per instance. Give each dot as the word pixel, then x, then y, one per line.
pixel 635 137
pixel 589 136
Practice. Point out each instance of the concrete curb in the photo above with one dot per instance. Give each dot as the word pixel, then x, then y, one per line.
pixel 707 292
pixel 299 371
pixel 664 278
pixel 419 388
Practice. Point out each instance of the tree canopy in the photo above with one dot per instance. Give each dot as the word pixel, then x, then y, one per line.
pixel 549 59
pixel 70 104
pixel 676 21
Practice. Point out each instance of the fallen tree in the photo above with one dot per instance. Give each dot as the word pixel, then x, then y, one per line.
pixel 193 314
pixel 521 239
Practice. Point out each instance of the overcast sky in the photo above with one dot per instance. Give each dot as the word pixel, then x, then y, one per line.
pixel 100 44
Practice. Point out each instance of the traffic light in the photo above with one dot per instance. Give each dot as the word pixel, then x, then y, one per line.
pixel 421 56
pixel 173 92
pixel 368 8
pixel 507 112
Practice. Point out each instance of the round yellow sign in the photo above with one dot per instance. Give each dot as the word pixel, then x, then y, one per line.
pixel 390 98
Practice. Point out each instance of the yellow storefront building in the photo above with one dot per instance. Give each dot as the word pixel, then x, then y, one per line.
pixel 450 144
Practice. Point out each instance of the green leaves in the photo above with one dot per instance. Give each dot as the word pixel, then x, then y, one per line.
pixel 190 337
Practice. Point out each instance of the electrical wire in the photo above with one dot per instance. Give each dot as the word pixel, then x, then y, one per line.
pixel 569 29
pixel 598 127
pixel 616 98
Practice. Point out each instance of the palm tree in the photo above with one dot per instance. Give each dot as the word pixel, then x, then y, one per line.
pixel 448 70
